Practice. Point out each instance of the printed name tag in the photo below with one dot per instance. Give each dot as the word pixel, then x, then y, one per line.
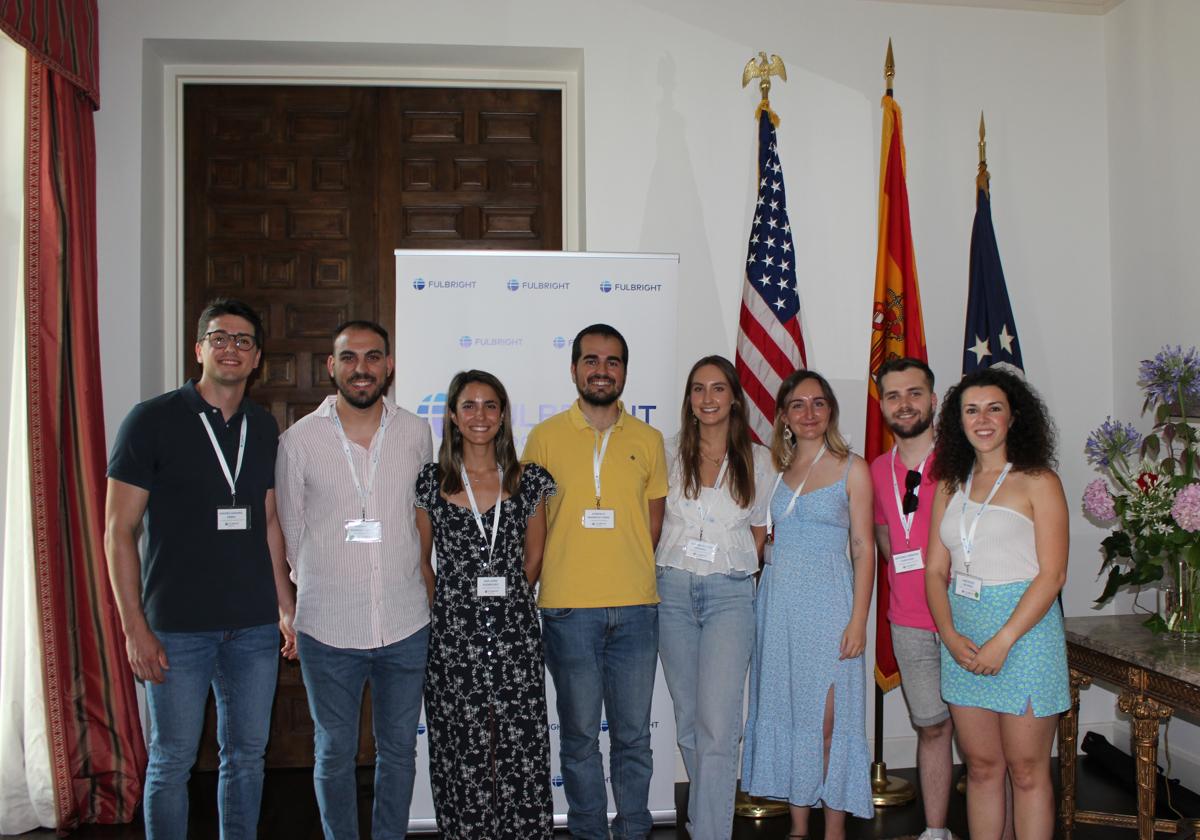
pixel 364 531
pixel 233 518
pixel 491 587
pixel 908 561
pixel 599 518
pixel 700 550
pixel 968 586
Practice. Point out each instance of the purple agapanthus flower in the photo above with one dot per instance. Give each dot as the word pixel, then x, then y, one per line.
pixel 1172 374
pixel 1112 441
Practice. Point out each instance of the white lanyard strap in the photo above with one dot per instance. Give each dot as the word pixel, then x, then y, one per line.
pixel 598 451
pixel 906 519
pixel 717 486
pixel 230 478
pixel 795 493
pixel 479 516
pixel 968 537
pixel 364 493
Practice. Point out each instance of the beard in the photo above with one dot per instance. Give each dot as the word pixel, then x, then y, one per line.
pixel 361 399
pixel 918 427
pixel 599 398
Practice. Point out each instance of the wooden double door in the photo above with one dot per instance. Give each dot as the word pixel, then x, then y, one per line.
pixel 295 198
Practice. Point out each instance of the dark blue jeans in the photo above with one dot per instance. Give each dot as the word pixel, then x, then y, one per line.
pixel 334 679
pixel 241 666
pixel 604 655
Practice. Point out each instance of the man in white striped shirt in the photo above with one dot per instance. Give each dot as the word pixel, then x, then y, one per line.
pixel 344 479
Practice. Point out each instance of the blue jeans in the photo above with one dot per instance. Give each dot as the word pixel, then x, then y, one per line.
pixel 609 655
pixel 241 666
pixel 334 679
pixel 706 635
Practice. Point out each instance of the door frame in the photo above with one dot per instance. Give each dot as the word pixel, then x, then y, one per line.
pixel 565 75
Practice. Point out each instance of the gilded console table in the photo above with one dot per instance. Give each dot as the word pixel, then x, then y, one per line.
pixel 1154 677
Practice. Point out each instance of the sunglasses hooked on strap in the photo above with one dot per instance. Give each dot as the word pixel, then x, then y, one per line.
pixel 912 480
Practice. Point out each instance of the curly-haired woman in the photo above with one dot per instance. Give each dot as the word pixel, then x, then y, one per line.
pixel 1001 516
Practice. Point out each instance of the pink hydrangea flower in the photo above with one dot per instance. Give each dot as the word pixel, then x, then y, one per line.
pixel 1098 503
pixel 1186 509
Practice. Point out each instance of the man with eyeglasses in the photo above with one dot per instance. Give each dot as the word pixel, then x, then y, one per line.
pixel 904 491
pixel 205 603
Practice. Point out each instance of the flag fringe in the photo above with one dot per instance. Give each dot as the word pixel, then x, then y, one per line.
pixel 766 106
pixel 886 683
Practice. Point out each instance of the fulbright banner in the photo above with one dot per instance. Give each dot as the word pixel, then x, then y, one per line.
pixel 515 314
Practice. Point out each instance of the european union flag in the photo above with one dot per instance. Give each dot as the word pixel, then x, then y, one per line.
pixel 991 333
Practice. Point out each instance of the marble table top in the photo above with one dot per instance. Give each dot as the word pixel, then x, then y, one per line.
pixel 1123 637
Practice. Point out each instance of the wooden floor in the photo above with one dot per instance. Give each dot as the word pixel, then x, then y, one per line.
pixel 289 812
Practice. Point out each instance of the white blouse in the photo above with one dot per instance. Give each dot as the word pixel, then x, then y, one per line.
pixel 725 523
pixel 1004 548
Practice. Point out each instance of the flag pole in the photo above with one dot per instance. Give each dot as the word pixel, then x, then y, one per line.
pixel 886 790
pixel 762 68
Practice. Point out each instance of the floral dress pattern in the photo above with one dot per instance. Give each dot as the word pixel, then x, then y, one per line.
pixel 485 695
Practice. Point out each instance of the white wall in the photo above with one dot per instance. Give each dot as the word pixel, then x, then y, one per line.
pixel 670 141
pixel 1154 183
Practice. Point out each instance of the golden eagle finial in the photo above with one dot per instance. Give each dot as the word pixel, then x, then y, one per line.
pixel 763 69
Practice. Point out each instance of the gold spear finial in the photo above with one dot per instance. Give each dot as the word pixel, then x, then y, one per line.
pixel 763 69
pixel 983 179
pixel 889 68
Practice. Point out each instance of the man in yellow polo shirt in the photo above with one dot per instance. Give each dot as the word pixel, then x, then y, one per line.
pixel 598 595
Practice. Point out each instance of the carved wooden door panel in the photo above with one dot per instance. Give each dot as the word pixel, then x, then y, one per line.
pixel 295 198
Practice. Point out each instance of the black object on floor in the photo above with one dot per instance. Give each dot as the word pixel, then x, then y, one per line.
pixel 1122 767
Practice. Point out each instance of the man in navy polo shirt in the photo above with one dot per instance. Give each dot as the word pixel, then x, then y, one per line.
pixel 205 604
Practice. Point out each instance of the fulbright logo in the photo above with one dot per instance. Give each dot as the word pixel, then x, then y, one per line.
pixel 420 283
pixel 467 342
pixel 559 342
pixel 433 408
pixel 556 780
pixel 606 286
pixel 513 284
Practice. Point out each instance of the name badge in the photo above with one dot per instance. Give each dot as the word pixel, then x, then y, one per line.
pixel 491 587
pixel 599 518
pixel 908 561
pixel 701 550
pixel 233 518
pixel 364 531
pixel 968 586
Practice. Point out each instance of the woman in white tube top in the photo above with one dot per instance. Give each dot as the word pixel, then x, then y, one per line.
pixel 1001 516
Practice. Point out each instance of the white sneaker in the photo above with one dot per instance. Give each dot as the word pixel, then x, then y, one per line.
pixel 935 834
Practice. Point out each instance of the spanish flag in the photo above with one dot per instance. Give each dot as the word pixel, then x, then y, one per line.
pixel 896 330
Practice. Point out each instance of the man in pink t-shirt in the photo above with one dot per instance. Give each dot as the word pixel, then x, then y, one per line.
pixel 904 493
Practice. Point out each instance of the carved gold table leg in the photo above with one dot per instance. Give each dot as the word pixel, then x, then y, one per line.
pixel 1068 736
pixel 1147 715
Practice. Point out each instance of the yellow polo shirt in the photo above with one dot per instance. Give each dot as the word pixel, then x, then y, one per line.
pixel 594 567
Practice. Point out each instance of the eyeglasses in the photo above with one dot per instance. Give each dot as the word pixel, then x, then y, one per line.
pixel 912 480
pixel 219 340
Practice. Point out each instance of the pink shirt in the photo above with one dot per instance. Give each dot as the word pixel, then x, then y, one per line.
pixel 353 595
pixel 907 606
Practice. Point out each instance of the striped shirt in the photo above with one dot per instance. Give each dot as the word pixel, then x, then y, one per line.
pixel 353 595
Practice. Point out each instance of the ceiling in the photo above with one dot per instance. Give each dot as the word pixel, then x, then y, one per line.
pixel 1077 7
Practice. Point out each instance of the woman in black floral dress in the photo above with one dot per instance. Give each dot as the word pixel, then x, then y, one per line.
pixel 485 701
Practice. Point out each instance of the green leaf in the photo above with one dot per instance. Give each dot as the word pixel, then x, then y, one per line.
pixel 1115 579
pixel 1155 624
pixel 1167 467
pixel 1192 554
pixel 1150 446
pixel 1161 415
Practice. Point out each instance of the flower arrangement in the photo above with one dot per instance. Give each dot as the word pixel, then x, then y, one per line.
pixel 1151 491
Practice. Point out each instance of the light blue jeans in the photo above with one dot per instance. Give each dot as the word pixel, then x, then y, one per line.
pixel 334 679
pixel 706 635
pixel 609 655
pixel 241 666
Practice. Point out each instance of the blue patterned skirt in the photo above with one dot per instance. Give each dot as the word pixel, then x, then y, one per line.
pixel 1035 672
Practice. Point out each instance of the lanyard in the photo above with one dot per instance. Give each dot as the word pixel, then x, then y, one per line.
pixel 716 486
pixel 230 478
pixel 968 537
pixel 475 509
pixel 598 459
pixel 795 493
pixel 906 519
pixel 374 454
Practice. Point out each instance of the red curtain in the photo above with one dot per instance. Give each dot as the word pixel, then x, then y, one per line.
pixel 99 754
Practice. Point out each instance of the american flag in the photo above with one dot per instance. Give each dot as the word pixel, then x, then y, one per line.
pixel 991 332
pixel 770 345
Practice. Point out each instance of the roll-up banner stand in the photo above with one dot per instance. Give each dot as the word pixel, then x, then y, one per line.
pixel 515 314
